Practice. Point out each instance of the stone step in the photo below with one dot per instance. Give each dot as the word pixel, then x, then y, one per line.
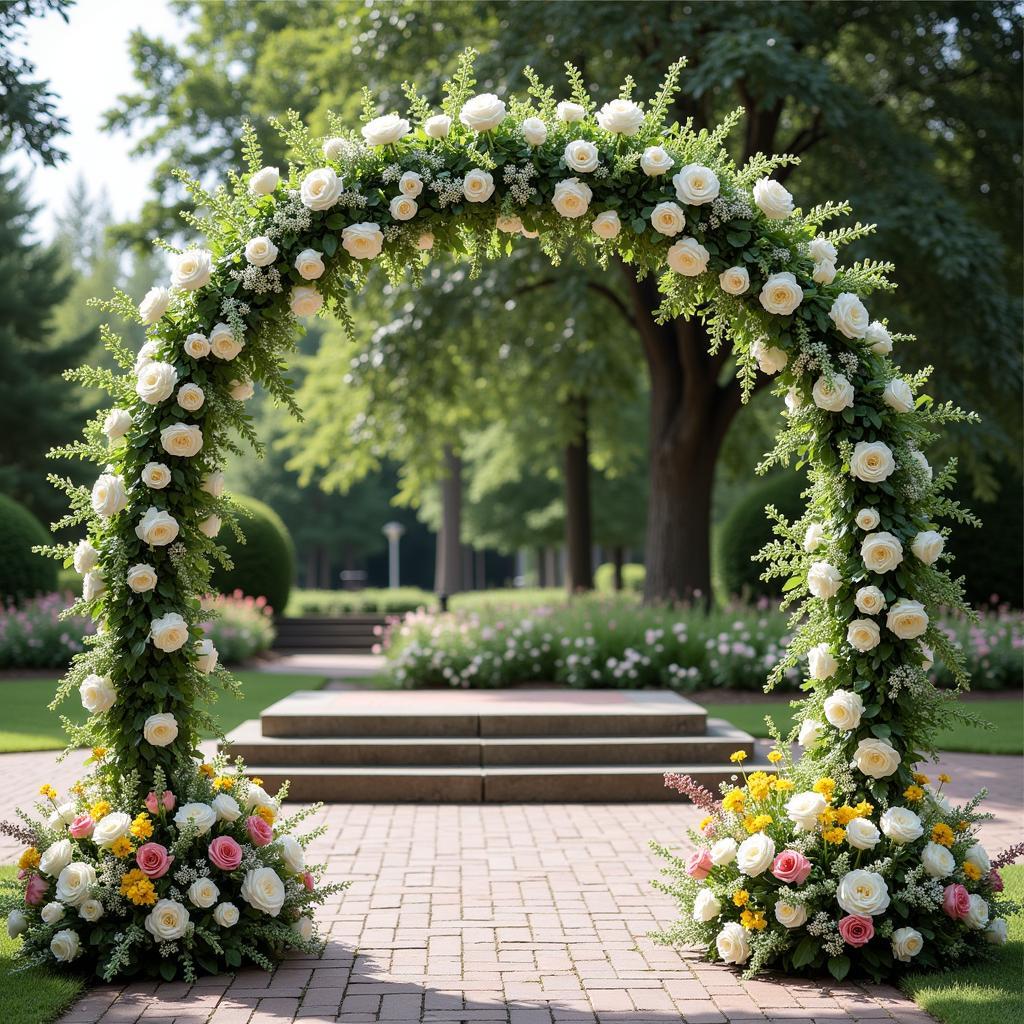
pixel 469 714
pixel 714 747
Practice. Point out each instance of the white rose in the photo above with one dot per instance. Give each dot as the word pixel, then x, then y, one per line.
pixel 862 834
pixel 822 249
pixel 305 300
pixel 156 382
pixel 483 112
pixel 668 219
pixel 154 304
pixel 93 585
pixel 820 662
pixel 75 880
pixel 823 580
pixel 906 944
pixel 688 257
pixel 56 857
pixel 872 461
pixel 877 759
pixel 824 272
pixel 310 264
pixel 863 635
pixel 834 397
pixel 62 814
pixel 696 185
pixel 849 315
pixel 732 944
pixel 790 915
pixel 927 657
pixel 508 223
pixel 260 251
pixel 804 808
pixel 226 807
pixel 161 729
pixel 157 528
pixel 167 921
pixel 226 915
pixel 568 112
pixel 927 546
pixel 210 526
pixel 97 693
pixel 581 156
pixel 755 854
pixel 901 825
pixel 572 197
pixel 110 828
pixel 879 338
pixel 363 241
pixel 978 856
pixel 108 495
pixel 535 131
pixel 304 928
pixel 141 578
pixel 620 117
pixel 201 816
pixel 146 353
pixel 52 912
pixel 919 458
pixel 257 796
pixel 606 224
pixel 385 130
pixel 169 633
pixel 203 893
pixel 898 396
pixel 214 484
pixel 882 552
pixel 781 294
pixel 937 860
pixel 478 186
pixel 117 423
pixel 182 440
pixel 868 518
pixel 869 600
pixel 65 945
pixel 192 269
pixel 321 189
pixel 814 537
pixel 17 924
pixel 86 557
pixel 410 184
pixel 907 619
pixel 655 161
pixel 206 655
pixel 844 709
pixel 996 933
pixel 403 208
pixel 336 148
pixel 862 892
pixel 977 916
pixel 197 346
pixel 241 390
pixel 264 181
pixel 223 343
pixel 91 910
pixel 810 732
pixel 772 199
pixel 706 906
pixel 191 397
pixel 264 890
pixel 426 241
pixel 292 852
pixel 769 358
pixel 734 281
pixel 437 126
pixel 724 851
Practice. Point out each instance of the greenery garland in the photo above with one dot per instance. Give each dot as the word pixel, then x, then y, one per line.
pixel 728 245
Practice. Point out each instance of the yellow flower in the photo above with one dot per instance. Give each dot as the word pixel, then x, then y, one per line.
pixel 705 821
pixel 122 847
pixel 834 835
pixel 827 817
pixel 29 859
pixel 141 827
pixel 741 897
pixel 942 834
pixel 913 793
pixel 99 753
pixel 921 779
pixel 972 871
pixel 825 786
pixel 266 813
pixel 759 785
pixel 78 789
pixel 757 823
pixel 864 809
pixel 775 756
pixel 223 782
pixel 99 810
pixel 207 770
pixel 753 919
pixel 783 785
pixel 962 826
pixel 47 790
pixel 138 888
pixel 733 801
pixel 945 778
pixel 738 756
pixel 256 782
pixel 846 814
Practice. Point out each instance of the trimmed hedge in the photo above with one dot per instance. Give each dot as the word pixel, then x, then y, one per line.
pixel 264 566
pixel 23 574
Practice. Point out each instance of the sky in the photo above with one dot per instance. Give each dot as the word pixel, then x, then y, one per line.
pixel 86 61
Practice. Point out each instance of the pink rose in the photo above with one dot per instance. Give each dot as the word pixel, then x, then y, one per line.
pixel 791 867
pixel 35 891
pixel 259 831
pixel 956 901
pixel 307 881
pixel 81 826
pixel 153 860
pixel 995 880
pixel 698 864
pixel 857 930
pixel 168 801
pixel 225 853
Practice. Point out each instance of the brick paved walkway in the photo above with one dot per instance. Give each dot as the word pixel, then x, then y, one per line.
pixel 523 914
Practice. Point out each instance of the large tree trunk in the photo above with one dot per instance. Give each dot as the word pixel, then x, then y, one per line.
pixel 580 574
pixel 448 566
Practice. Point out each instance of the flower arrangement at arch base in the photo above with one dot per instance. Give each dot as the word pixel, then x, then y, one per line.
pixel 201 875
pixel 800 872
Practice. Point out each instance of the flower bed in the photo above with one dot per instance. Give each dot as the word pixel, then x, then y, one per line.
pixel 241 627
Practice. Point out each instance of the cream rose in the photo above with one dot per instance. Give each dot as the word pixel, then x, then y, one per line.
pixel 568 112
pixel 811 731
pixel 655 162
pixel 879 338
pixel 849 315
pixel 169 633
pixel 201 816
pixel 877 759
pixel 668 219
pixel 226 915
pixel 154 304
pixel 688 257
pixel 385 130
pixel 824 272
pixel 191 397
pixel 241 390
pixel 98 694
pixel 86 557
pixel 192 269
pixel 937 860
pixel 620 117
pixel 872 461
pixel 732 944
pixel 321 189
pixel 898 396
pixel 437 126
pixel 167 921
pixel 157 528
pixel 206 655
pixel 868 518
pixel 117 423
pixel 509 224
pixel 160 729
pixel 65 945
pixel 141 578
pixel 814 537
pixel 535 131
pixel 706 906
pixel 76 879
pixel 581 156
pixel 146 353
pixel 110 828
pixel 862 834
pixel 56 857
pixel 922 462
pixel 978 856
pixel 91 910
pixel 310 264
pixel 781 294
pixel 907 619
pixel 724 851
pixel 305 300
pixel 197 346
pixel 213 484
pixel 210 526
pixel 606 224
pixel 478 186
pixel 977 915
pixel 403 208
pixel 863 635
pixel 844 709
pixel 769 358
pixel 482 113
pixel 223 343
pixel 304 928
pixel 264 890
pixel 901 825
pixel 203 893
pixel 292 853
pixel 790 915
pixel 264 181
pixel 869 600
pixel 834 397
pixel 734 281
pixel 927 546
pixel 906 944
pixel 260 251
pixel 182 440
pixel 156 382
pixel 363 241
pixel 772 199
pixel 803 809
pixel 425 242
pixel 820 662
pixel 882 552
pixel 571 198
pixel 93 584
pixel 863 892
pixel 822 249
pixel 696 185
pixel 108 495
pixel 226 807
pixel 823 580
pixel 755 854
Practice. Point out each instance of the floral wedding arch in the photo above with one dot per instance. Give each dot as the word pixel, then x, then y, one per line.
pixel 159 861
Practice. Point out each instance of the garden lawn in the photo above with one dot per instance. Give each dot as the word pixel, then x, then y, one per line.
pixel 36 996
pixel 989 992
pixel 1006 714
pixel 28 724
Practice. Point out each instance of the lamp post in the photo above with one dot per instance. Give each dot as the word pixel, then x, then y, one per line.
pixel 393 531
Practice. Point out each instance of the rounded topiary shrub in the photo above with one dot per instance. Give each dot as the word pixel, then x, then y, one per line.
pixel 747 529
pixel 264 566
pixel 22 573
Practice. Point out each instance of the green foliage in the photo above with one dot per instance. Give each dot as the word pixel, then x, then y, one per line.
pixel 23 573
pixel 264 565
pixel 632 578
pixel 330 603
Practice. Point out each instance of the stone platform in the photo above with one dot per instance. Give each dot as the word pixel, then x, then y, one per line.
pixel 490 746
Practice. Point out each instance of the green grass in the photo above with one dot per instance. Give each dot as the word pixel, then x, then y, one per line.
pixel 1007 715
pixel 29 725
pixel 987 992
pixel 36 996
